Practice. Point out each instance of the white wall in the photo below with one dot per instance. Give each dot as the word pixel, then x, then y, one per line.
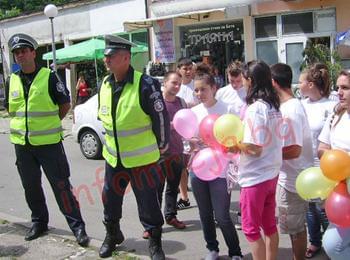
pixel 72 23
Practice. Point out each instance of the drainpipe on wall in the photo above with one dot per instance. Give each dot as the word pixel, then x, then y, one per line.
pixel 148 31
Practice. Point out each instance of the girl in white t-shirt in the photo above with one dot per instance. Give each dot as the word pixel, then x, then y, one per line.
pixel 314 84
pixel 335 135
pixel 260 161
pixel 211 196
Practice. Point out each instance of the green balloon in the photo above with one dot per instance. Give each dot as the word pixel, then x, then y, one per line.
pixel 312 185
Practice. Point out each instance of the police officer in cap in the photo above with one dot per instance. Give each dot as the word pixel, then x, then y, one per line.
pixel 37 101
pixel 133 113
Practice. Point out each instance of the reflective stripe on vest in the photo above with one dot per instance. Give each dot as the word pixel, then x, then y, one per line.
pixel 33 114
pixel 136 141
pixel 37 117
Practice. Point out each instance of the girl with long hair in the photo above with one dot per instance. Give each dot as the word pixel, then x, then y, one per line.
pixel 260 161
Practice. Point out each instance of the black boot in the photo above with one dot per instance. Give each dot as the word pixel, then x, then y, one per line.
pixel 113 237
pixel 155 244
pixel 37 230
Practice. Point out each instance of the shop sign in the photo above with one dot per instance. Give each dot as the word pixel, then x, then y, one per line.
pixel 164 41
pixel 212 34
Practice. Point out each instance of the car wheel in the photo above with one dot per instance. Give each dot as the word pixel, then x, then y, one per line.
pixel 90 145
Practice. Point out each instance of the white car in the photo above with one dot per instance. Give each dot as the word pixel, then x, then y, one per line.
pixel 87 130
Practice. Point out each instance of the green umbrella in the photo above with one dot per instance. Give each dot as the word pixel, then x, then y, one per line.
pixel 85 51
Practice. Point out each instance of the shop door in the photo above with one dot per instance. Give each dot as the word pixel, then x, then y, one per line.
pixel 291 53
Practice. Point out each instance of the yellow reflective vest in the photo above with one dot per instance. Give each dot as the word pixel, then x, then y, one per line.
pixel 136 141
pixel 37 116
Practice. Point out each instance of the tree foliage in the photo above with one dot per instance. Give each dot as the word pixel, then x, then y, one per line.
pixel 12 8
pixel 314 53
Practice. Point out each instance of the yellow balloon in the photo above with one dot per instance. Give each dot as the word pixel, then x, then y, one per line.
pixel 311 184
pixel 228 130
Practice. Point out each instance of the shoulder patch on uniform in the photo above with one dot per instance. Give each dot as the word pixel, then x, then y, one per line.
pixel 158 105
pixel 148 79
pixel 60 87
pixel 155 95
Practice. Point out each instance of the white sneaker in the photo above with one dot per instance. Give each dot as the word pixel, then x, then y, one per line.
pixel 235 257
pixel 212 255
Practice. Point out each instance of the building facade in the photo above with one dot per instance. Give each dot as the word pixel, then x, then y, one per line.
pixel 74 23
pixel 220 31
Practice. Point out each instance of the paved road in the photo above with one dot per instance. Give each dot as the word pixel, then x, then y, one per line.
pixel 86 176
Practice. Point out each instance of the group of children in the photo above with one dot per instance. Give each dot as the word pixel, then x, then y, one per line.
pixel 282 137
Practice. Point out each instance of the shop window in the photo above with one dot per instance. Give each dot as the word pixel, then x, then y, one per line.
pixel 297 23
pixel 265 27
pixel 294 58
pixel 267 51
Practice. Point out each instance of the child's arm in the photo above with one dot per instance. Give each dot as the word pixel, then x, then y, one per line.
pixel 291 152
pixel 250 149
pixel 322 148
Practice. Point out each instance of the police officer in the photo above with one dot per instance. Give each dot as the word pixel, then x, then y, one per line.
pixel 37 101
pixel 135 119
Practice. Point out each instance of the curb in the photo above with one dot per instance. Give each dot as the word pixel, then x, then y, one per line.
pixel 94 244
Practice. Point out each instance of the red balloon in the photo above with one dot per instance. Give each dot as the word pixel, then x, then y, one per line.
pixel 206 132
pixel 338 206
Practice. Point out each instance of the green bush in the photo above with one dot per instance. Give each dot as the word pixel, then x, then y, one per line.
pixel 314 53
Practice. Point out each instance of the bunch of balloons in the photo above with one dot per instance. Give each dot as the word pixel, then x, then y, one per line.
pixel 329 183
pixel 217 133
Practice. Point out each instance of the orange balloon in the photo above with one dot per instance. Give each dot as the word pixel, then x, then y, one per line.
pixel 335 165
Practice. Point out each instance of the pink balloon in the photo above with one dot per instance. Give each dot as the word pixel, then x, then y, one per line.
pixel 208 164
pixel 338 206
pixel 206 132
pixel 185 123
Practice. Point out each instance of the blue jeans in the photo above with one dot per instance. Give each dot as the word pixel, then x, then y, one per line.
pixel 316 218
pixel 213 199
pixel 336 242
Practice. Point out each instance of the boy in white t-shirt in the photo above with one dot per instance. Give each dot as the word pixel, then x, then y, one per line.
pixel 234 93
pixel 297 156
pixel 186 70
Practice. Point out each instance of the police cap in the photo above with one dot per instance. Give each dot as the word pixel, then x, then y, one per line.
pixel 115 43
pixel 21 40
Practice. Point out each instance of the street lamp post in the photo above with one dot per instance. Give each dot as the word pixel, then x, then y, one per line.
pixel 51 12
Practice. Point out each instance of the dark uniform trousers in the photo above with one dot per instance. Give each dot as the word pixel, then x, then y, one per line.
pixel 53 160
pixel 145 181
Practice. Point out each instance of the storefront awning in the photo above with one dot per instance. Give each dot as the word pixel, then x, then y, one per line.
pixel 191 9
pixel 147 23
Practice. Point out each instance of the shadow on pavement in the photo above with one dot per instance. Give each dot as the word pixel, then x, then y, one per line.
pixel 191 225
pixel 12 251
pixel 140 247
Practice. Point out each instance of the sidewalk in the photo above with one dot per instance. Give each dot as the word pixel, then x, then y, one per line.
pixel 56 244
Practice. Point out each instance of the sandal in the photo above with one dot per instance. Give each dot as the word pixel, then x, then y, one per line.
pixel 310 253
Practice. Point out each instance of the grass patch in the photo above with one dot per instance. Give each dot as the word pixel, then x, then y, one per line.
pixel 3 221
